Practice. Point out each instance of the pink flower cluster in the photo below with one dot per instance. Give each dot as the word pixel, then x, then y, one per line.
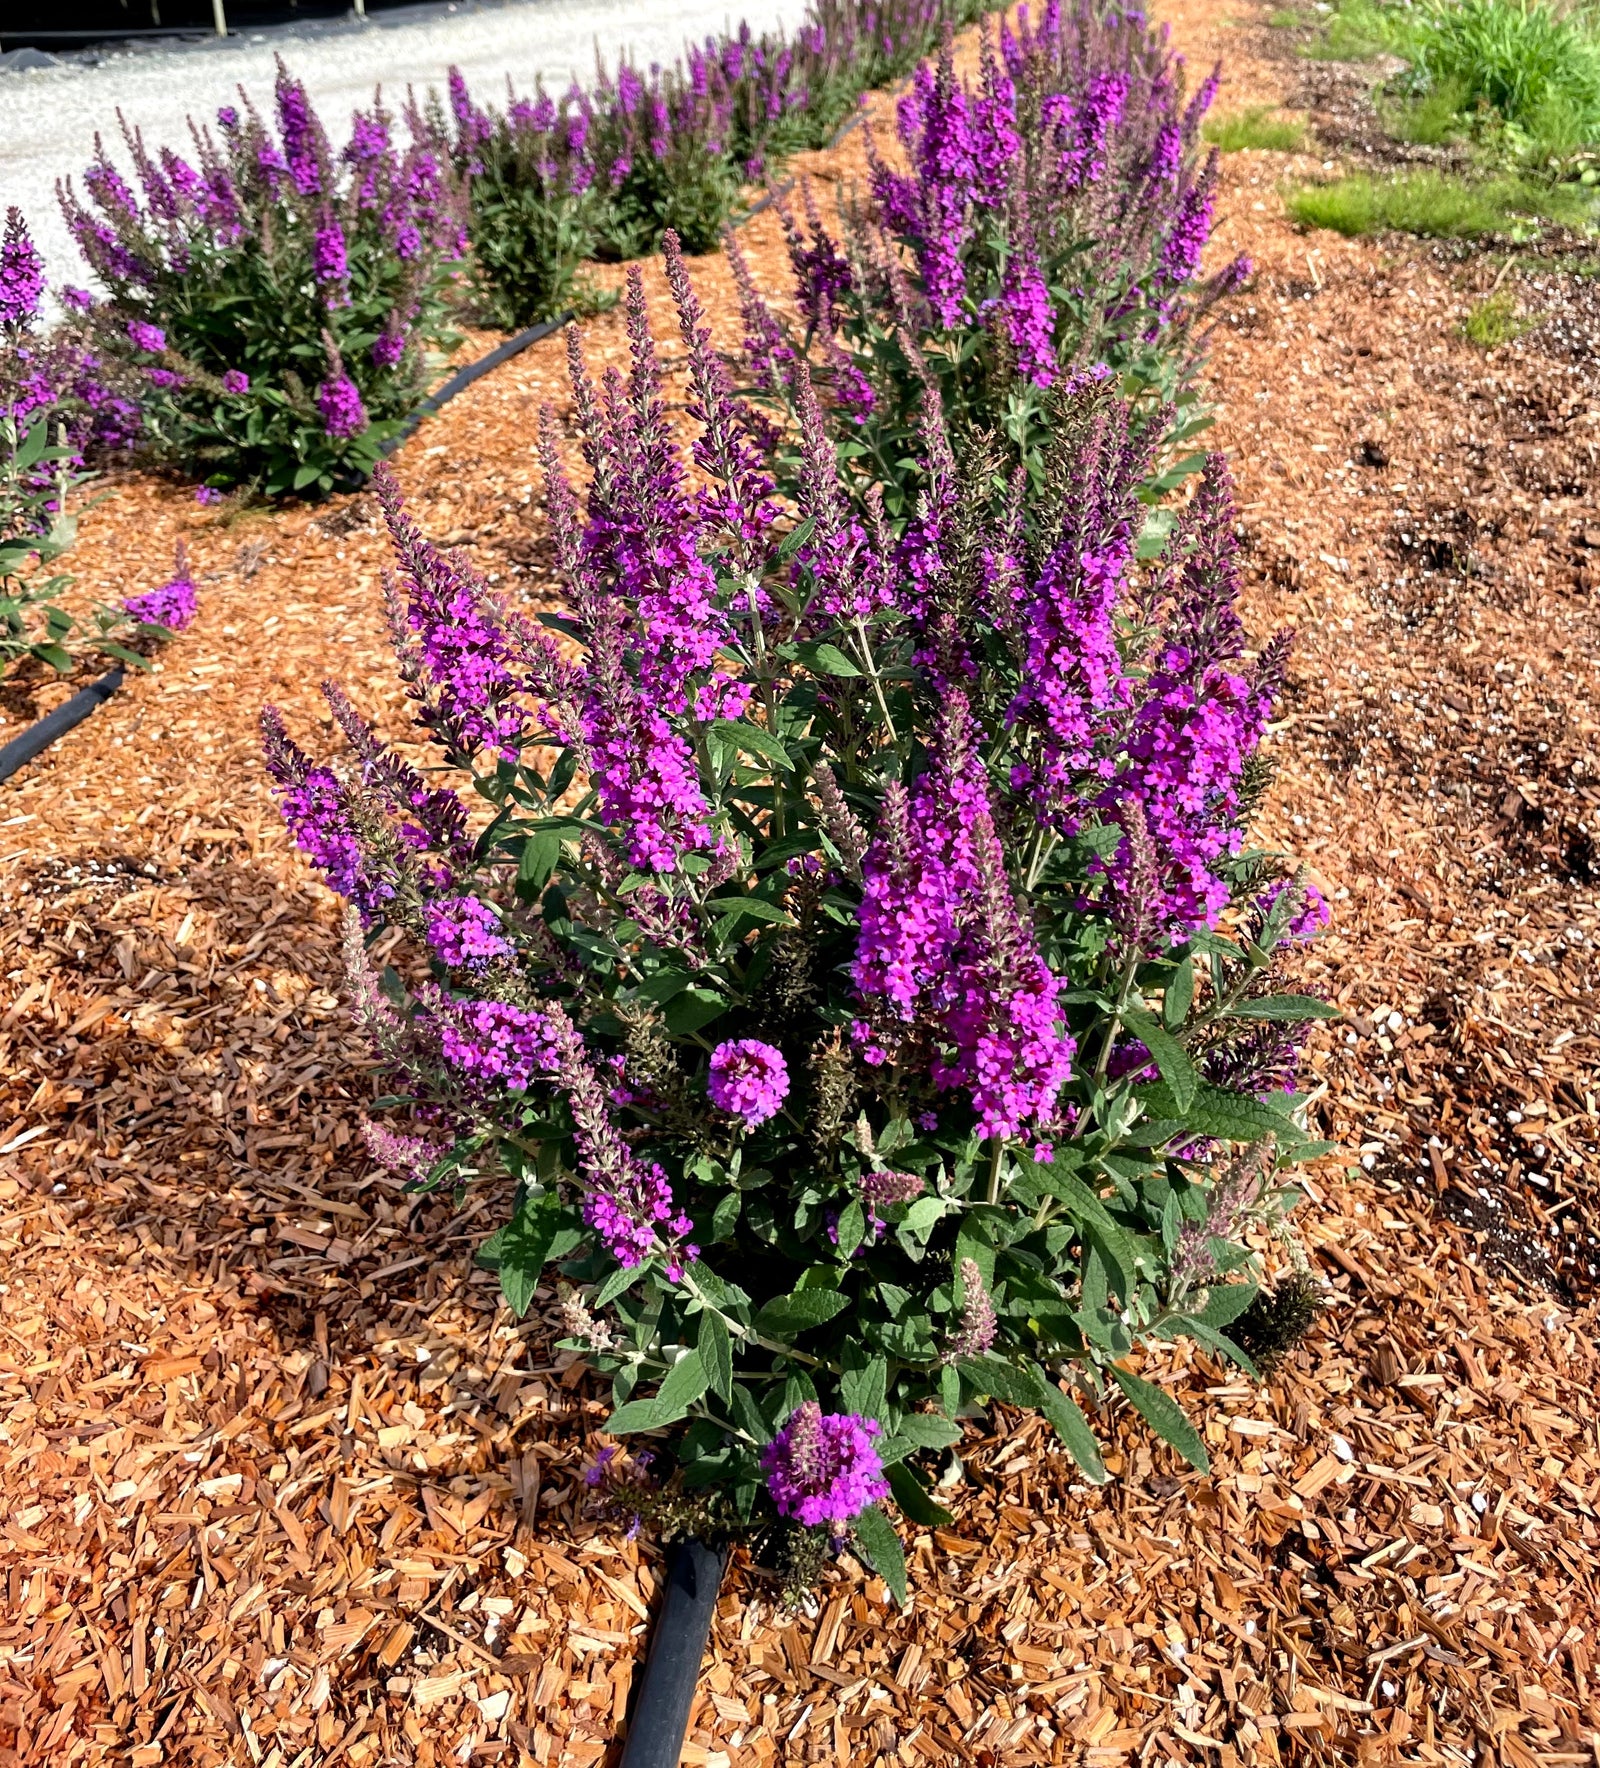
pixel 748 1079
pixel 465 932
pixel 822 1467
pixel 944 945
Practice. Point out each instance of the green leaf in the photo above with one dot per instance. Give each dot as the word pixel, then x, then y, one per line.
pixel 1230 1117
pixel 879 1545
pixel 928 1430
pixel 693 1008
pixel 757 907
pixel 685 1381
pixel 1071 1426
pixel 753 740
pixel 824 659
pixel 1164 1416
pixel 725 1215
pixel 1170 1057
pixel 864 1390
pixel 716 1353
pixel 912 1497
pixel 790 1315
pixel 636 1415
pixel 519 1250
pixel 541 853
pixel 1179 995
pixel 613 1286
pixel 1289 1008
pixel 1004 1381
pixel 749 1415
pixel 852 1227
pixel 922 1216
pixel 1227 1302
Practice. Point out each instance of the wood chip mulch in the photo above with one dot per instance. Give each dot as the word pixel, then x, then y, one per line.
pixel 285 1486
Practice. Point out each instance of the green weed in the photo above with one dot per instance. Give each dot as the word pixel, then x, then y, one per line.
pixel 1535 67
pixel 1435 205
pixel 1261 129
pixel 1494 321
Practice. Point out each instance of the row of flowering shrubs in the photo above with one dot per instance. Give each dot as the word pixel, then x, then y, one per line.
pixel 837 918
pixel 54 404
pixel 273 303
pixel 606 172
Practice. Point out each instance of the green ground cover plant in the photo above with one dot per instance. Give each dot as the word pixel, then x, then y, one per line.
pixel 1437 205
pixel 1261 129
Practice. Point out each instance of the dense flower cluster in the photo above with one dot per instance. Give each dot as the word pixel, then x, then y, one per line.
pixel 748 1079
pixel 943 944
pixel 172 604
pixel 822 1467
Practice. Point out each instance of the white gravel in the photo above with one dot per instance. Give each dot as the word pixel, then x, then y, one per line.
pixel 48 116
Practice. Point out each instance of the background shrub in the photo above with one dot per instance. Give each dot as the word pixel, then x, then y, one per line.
pixel 277 300
pixel 607 172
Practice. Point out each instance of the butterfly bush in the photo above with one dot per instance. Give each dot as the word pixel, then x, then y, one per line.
pixel 272 296
pixel 51 375
pixel 1040 224
pixel 859 968
pixel 606 171
pixel 57 404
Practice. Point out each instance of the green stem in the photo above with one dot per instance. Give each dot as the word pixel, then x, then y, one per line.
pixel 871 667
pixel 996 1166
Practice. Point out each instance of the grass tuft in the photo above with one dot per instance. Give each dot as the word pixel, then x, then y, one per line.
pixel 1524 73
pixel 1258 130
pixel 1494 321
pixel 1435 205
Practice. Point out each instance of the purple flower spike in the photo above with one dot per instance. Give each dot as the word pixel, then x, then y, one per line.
pixel 749 1079
pixel 21 274
pixel 235 380
pixel 147 337
pixel 822 1466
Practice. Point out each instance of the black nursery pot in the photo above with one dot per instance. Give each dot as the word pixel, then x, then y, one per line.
pixel 664 1692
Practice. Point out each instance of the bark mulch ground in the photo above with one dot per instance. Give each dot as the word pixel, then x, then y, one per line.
pixel 284 1485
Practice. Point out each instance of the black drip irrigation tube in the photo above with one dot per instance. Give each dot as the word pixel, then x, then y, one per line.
pixel 463 378
pixel 21 750
pixel 663 1692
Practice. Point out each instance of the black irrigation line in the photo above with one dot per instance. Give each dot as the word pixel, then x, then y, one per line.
pixel 21 750
pixel 39 736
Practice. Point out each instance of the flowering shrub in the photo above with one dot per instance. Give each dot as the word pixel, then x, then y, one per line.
pixel 36 528
pixel 860 970
pixel 1047 225
pixel 53 378
pixel 607 173
pixel 276 300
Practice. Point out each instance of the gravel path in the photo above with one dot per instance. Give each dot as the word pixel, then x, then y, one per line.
pixel 49 116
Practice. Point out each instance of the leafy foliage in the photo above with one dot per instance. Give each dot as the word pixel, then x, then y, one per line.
pixel 36 528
